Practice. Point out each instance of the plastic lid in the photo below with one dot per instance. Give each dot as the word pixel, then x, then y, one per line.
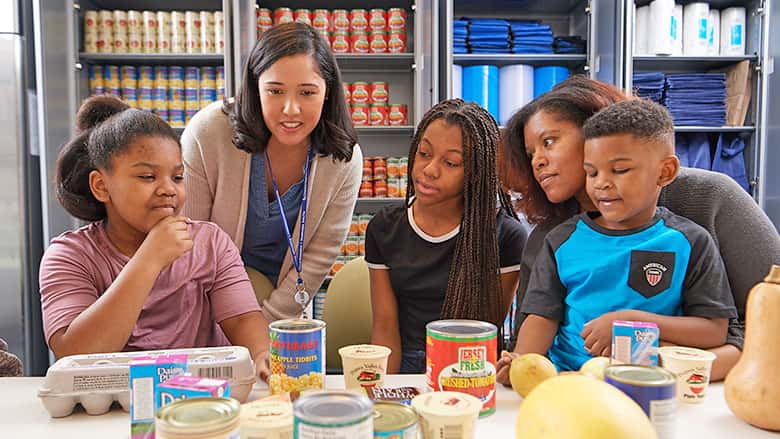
pixel 267 413
pixel 392 416
pixel 449 404
pixel 639 375
pixel 365 351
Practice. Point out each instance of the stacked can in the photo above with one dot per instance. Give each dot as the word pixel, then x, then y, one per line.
pixel 191 92
pixel 397 114
pixel 360 98
pixel 302 16
pixel 105 32
pixel 378 97
pixel 150 31
pixel 176 96
pixel 178 32
pixel 319 303
pixel 347 93
pixel 355 243
pixel 219 32
pixel 135 32
pixel 220 82
pixel 164 31
pixel 321 21
pixel 208 86
pixel 207 37
pixel 192 30
pixel 129 79
pixel 111 81
pixel 265 21
pixel 90 31
pixel 146 88
pixel 96 84
pixel 120 32
pixel 283 15
pixel 396 181
pixel 160 93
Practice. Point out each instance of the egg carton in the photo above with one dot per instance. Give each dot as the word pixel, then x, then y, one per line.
pixel 97 380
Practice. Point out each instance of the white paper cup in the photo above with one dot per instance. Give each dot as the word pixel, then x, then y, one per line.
pixel 365 365
pixel 452 412
pixel 692 368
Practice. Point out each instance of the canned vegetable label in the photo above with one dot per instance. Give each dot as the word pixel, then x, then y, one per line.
pixel 297 355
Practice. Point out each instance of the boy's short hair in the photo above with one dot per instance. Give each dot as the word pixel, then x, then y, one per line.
pixel 641 118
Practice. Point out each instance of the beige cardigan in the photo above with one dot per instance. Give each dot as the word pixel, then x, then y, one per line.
pixel 217 184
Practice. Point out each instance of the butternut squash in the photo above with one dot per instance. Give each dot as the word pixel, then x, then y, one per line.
pixel 752 390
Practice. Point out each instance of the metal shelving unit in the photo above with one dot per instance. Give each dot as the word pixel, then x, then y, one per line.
pixel 200 59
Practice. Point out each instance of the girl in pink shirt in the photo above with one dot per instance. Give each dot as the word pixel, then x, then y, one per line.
pixel 139 276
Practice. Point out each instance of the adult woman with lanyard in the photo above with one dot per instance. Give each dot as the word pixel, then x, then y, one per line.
pixel 289 219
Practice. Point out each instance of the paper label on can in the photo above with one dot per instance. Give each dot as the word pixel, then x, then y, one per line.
pixel 297 360
pixel 736 35
pixel 361 429
pixel 663 415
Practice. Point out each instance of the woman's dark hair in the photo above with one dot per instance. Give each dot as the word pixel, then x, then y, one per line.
pixel 105 127
pixel 575 100
pixel 474 285
pixel 334 134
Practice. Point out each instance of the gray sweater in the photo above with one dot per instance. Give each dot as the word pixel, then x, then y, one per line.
pixel 748 241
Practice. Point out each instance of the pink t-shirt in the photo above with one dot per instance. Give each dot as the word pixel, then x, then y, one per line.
pixel 204 286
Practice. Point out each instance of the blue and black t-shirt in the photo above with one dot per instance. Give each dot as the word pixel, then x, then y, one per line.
pixel 670 267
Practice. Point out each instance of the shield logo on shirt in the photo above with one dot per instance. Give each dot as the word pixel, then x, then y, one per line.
pixel 653 275
pixel 651 272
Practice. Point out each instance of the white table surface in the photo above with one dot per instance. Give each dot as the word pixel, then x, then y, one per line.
pixel 22 415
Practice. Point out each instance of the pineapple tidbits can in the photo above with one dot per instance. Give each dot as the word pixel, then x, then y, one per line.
pixel 201 418
pixel 461 357
pixel 333 415
pixel 297 355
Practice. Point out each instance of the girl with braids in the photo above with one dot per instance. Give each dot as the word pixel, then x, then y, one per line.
pixel 140 276
pixel 448 252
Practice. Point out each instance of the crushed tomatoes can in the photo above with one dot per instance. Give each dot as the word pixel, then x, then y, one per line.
pixel 461 357
pixel 360 114
pixel 297 354
pixel 397 114
pixel 339 41
pixel 359 42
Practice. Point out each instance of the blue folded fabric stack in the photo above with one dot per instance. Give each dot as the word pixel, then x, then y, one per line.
pixel 569 45
pixel 531 37
pixel 488 35
pixel 650 85
pixel 460 34
pixel 696 98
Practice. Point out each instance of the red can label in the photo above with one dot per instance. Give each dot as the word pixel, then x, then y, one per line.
pixel 302 16
pixel 359 42
pixel 397 114
pixel 360 114
pixel 396 19
pixel 321 20
pixel 360 93
pixel 378 93
pixel 347 93
pixel 366 189
pixel 358 20
pixel 396 42
pixel 377 20
pixel 264 20
pixel 340 20
pixel 378 42
pixel 378 114
pixel 463 363
pixel 340 42
pixel 380 188
pixel 283 15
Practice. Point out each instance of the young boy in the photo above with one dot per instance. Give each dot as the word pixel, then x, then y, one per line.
pixel 631 260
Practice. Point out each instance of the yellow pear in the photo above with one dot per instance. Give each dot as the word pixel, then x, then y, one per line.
pixel 528 370
pixel 595 367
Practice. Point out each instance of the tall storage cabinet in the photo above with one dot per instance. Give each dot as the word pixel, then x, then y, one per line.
pixel 753 130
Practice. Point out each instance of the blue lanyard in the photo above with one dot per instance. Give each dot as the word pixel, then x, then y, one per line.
pixel 297 257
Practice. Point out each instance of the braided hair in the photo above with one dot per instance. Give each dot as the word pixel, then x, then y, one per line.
pixel 474 285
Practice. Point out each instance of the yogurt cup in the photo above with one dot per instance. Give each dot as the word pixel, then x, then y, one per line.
pixel 452 412
pixel 692 369
pixel 365 365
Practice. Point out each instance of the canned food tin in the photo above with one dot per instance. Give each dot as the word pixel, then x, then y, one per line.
pixel 360 93
pixel 353 226
pixel 283 15
pixel 404 185
pixel 360 114
pixel 267 419
pixel 340 20
pixel 461 357
pixel 321 20
pixel 145 101
pixel 380 168
pixel 207 37
pixel 146 76
pixel 396 19
pixel 189 113
pixel 120 43
pixel 162 113
pixel 191 77
pixel 297 355
pixel 219 32
pixel 193 32
pixel 96 84
pixel 208 77
pixel 150 31
pixel 335 415
pixel 135 42
pixel 351 245
pixel 104 42
pixel 447 415
pixel 302 16
pixel 164 29
pixel 393 170
pixel 403 166
pixel 129 75
pixel 91 21
pixel 207 96
pixel 393 420
pixel 90 40
pixel 340 42
pixel 264 20
pixel 378 114
pixel 176 118
pixel 105 21
pixel 178 32
pixel 204 418
pixel 396 42
pixel 393 187
pixel 377 42
pixel 120 21
pixel 176 76
pixel 378 93
pixel 220 82
pixel 397 114
pixel 359 42
pixel 363 221
pixel 653 388
pixel 366 189
pixel 380 188
pixel 191 98
pixel 347 94
pixel 111 76
pixel 377 20
pixel 358 20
